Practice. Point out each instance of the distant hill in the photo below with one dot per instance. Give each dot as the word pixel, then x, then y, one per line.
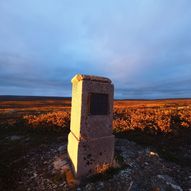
pixel 30 98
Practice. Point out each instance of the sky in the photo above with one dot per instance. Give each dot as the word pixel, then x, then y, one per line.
pixel 143 46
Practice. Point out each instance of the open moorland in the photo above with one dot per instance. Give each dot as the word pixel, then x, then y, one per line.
pixel 33 133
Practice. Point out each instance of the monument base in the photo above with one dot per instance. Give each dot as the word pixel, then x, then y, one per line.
pixel 87 155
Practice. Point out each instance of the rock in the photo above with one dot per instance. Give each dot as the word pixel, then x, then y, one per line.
pixel 151 153
pixel 146 163
pixel 100 186
pixel 15 138
pixel 125 173
pixel 34 175
pixel 27 139
pixel 89 187
pixel 48 169
pixel 169 182
pixel 60 164
pixel 130 186
pixel 62 148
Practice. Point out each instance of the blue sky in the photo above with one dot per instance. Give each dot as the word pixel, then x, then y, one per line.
pixel 144 46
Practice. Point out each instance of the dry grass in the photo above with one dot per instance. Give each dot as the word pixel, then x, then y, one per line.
pixel 50 121
pixel 152 116
pixel 103 168
pixel 21 112
pixel 154 120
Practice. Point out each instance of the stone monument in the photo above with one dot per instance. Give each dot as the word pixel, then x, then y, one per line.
pixel 90 141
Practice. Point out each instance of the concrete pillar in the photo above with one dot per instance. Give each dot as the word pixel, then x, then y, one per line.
pixel 90 142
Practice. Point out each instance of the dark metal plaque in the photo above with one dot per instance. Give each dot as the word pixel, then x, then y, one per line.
pixel 98 104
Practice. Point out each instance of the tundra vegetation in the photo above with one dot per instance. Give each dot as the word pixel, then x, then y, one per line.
pixel 26 123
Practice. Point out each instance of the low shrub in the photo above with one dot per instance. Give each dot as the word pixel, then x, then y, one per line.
pixel 151 120
pixel 51 121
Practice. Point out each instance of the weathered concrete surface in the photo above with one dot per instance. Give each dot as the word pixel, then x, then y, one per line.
pixel 91 142
pixel 89 154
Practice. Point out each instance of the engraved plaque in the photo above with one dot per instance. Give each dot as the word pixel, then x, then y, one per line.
pixel 98 104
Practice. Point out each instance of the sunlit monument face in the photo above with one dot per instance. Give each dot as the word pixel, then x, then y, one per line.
pixel 90 142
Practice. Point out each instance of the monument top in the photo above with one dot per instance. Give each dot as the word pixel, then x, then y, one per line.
pixel 81 77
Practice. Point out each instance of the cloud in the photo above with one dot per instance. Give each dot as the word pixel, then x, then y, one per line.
pixel 141 45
